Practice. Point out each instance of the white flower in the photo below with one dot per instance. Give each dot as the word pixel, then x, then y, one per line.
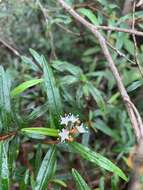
pixel 65 120
pixel 68 118
pixel 81 129
pixel 73 119
pixel 64 134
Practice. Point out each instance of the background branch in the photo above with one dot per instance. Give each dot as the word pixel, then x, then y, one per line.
pixel 12 49
pixel 135 42
pixel 130 31
pixel 137 126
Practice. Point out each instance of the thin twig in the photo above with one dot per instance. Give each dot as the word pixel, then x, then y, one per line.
pixel 119 53
pixel 46 17
pixel 77 34
pixel 112 66
pixel 7 136
pixel 67 30
pixel 16 52
pixel 50 142
pixel 116 29
pixel 137 115
pixel 135 42
pixel 13 50
pixel 45 14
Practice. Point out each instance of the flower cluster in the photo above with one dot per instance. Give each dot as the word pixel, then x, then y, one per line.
pixel 72 126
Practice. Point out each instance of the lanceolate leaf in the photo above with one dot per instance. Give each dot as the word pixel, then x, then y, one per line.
pixel 97 96
pixel 36 56
pixel 63 66
pixel 80 183
pixel 29 63
pixel 89 14
pixel 4 171
pixel 25 85
pixel 46 170
pixel 42 131
pixel 4 91
pixel 5 106
pixel 53 95
pixel 59 182
pixel 97 159
pixel 68 80
pixel 134 85
pixel 99 124
pixel 24 181
pixel 13 152
pixel 38 112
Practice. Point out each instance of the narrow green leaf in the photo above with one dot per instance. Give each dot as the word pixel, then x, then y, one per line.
pixel 115 183
pixel 59 182
pixel 80 183
pixel 114 97
pixel 53 94
pixel 101 183
pixel 36 56
pixel 5 105
pixel 97 159
pixel 42 131
pixel 29 63
pixel 134 85
pixel 4 170
pixel 68 80
pixel 89 14
pixel 32 181
pixel 38 158
pixel 61 19
pixel 99 124
pixel 38 112
pixel 34 136
pixel 127 79
pixel 4 91
pixel 24 86
pixel 129 46
pixel 13 153
pixel 65 66
pixel 46 170
pixel 97 96
pixel 24 181
pixel 91 51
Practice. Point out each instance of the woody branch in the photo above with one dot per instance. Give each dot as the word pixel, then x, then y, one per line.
pixel 132 111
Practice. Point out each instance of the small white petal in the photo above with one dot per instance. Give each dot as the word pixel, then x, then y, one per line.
pixel 73 119
pixel 64 134
pixel 64 120
pixel 81 129
pixel 68 118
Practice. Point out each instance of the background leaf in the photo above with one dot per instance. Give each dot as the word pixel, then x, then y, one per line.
pixel 36 56
pixel 89 14
pixel 5 104
pixel 25 85
pixel 134 85
pixel 54 99
pixel 97 96
pixel 4 170
pixel 99 124
pixel 80 183
pixel 65 66
pixel 46 169
pixel 97 159
pixel 41 131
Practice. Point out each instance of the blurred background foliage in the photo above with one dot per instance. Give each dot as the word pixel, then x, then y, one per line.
pixel 85 83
